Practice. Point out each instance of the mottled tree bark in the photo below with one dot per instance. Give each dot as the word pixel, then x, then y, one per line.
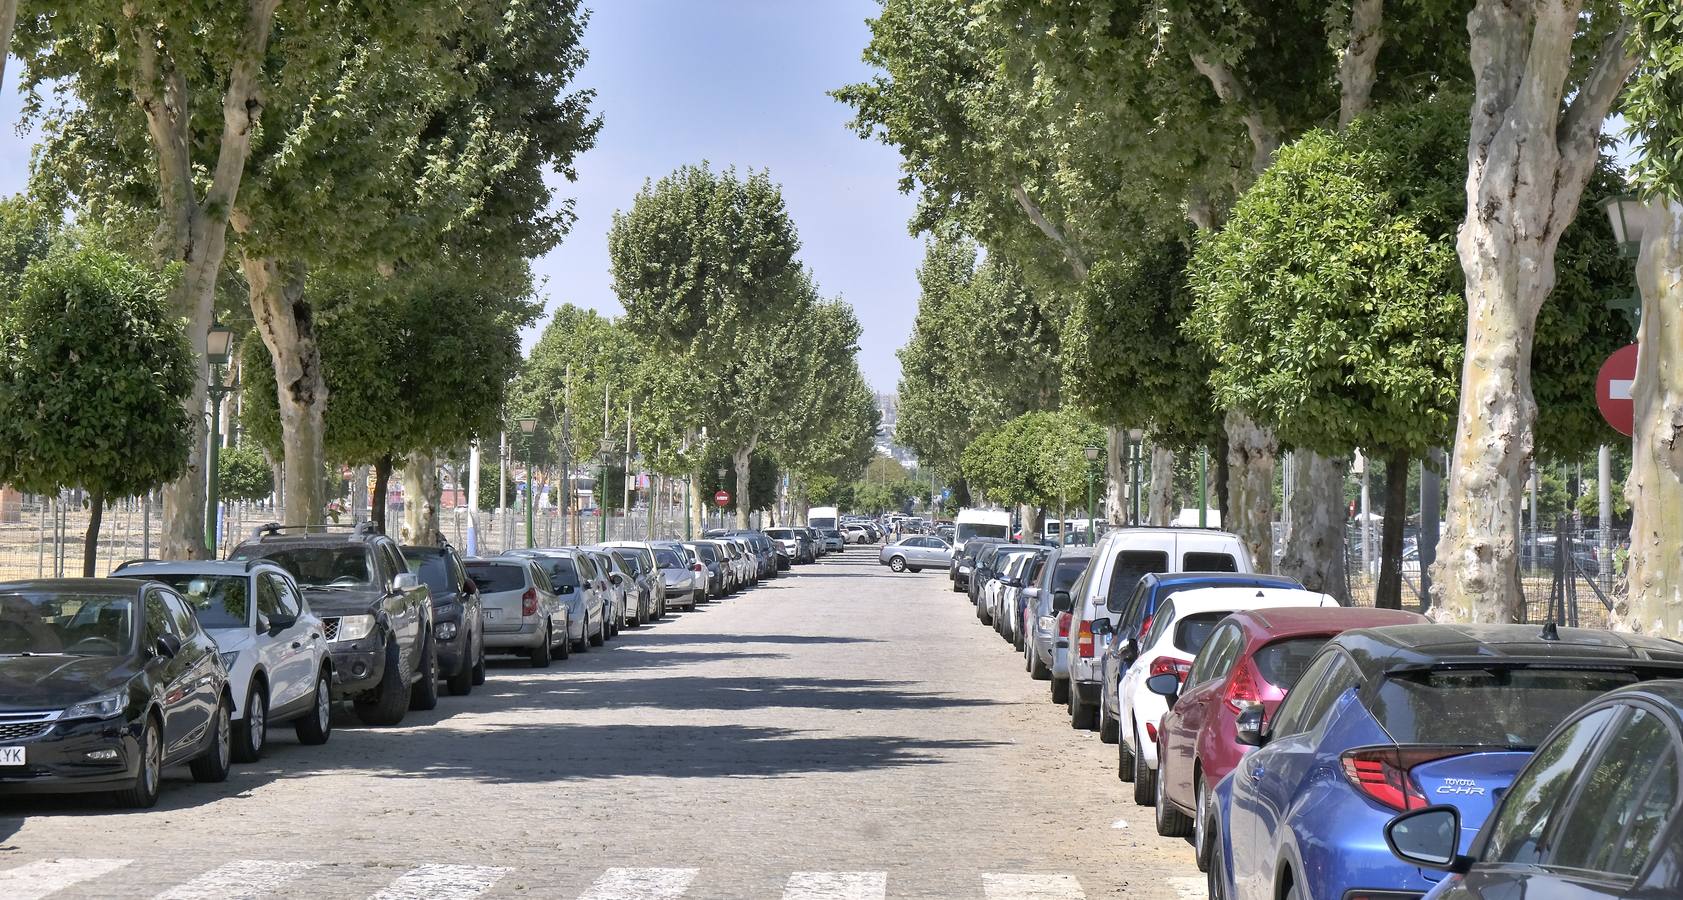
pixel 90 541
pixel 285 322
pixel 1388 594
pixel 382 480
pixel 421 497
pixel 1161 506
pixel 1115 476
pixel 1250 487
pixel 742 459
pixel 1314 551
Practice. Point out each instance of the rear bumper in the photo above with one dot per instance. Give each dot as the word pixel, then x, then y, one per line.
pixel 527 636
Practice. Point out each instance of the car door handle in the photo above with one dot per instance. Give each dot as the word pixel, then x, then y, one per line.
pixel 1256 771
pixel 297 644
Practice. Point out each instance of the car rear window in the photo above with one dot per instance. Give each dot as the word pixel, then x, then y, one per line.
pixel 1068 570
pixel 1131 566
pixel 560 570
pixel 433 569
pixel 1282 663
pixel 1209 562
pixel 1192 631
pixel 494 578
pixel 669 559
pixel 1512 707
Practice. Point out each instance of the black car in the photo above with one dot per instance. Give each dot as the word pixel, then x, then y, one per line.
pixel 965 560
pixel 458 619
pixel 1594 813
pixel 377 614
pixel 104 684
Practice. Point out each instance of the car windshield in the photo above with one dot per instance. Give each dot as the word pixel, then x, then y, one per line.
pixel 75 624
pixel 968 530
pixel 348 566
pixel 706 552
pixel 669 559
pixel 629 563
pixel 782 534
pixel 1282 663
pixel 433 569
pixel 495 578
pixel 560 569
pixel 220 601
pixel 1513 707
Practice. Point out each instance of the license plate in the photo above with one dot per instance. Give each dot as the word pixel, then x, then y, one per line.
pixel 493 613
pixel 11 756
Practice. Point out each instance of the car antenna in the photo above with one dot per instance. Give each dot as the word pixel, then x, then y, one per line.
pixel 1550 632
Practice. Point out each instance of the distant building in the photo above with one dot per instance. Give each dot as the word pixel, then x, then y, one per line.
pixel 888 405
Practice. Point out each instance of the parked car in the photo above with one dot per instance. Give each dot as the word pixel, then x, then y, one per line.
pixel 458 621
pixel 648 572
pixel 1134 617
pixel 377 614
pixel 110 681
pixel 590 602
pixel 685 579
pixel 1252 659
pixel 980 523
pixel 1120 559
pixel 1008 567
pixel 1178 631
pixel 916 554
pixel 1386 720
pixel 788 545
pixel 856 533
pixel 964 562
pixel 708 556
pixel 811 543
pixel 639 584
pixel 273 646
pixel 1046 627
pixel 616 586
pixel 833 540
pixel 524 615
pixel 1594 813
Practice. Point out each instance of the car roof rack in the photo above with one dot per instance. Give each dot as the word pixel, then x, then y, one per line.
pixel 366 527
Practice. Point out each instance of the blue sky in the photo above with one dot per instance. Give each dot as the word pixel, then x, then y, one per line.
pixel 733 82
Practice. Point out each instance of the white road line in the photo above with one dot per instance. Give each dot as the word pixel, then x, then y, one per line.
pixel 42 877
pixel 1188 888
pixel 836 886
pixel 640 884
pixel 1031 887
pixel 439 882
pixel 238 880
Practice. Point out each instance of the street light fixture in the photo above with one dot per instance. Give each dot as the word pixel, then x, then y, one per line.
pixel 606 451
pixel 219 342
pixel 528 426
pixel 722 474
pixel 1092 454
pixel 1625 214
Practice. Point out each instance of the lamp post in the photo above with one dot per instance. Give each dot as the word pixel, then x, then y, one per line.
pixel 529 428
pixel 1136 439
pixel 722 473
pixel 1092 454
pixel 218 344
pixel 606 449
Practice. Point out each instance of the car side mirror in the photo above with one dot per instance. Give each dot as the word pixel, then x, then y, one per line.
pixel 1167 685
pixel 1248 728
pixel 1061 602
pixel 406 582
pixel 169 646
pixel 278 624
pixel 470 586
pixel 617 579
pixel 264 625
pixel 563 589
pixel 1130 651
pixel 1428 838
pixel 1103 627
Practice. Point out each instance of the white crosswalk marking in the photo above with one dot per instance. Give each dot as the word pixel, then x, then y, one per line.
pixel 1188 888
pixel 836 886
pixel 640 884
pixel 42 877
pixel 440 882
pixel 1031 887
pixel 238 880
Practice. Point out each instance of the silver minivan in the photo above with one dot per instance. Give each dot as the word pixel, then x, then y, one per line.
pixel 522 613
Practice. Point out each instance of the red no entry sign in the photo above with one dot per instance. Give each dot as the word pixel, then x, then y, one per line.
pixel 1612 390
pixel 722 498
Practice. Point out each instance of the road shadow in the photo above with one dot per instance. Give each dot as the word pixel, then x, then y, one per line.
pixel 734 693
pixel 674 637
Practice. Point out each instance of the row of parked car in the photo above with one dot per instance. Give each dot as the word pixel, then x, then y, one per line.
pixel 105 682
pixel 1311 751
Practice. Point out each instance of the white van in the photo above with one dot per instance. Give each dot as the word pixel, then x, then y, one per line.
pixel 823 518
pixel 994 523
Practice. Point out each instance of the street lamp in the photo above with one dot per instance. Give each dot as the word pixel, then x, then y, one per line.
pixel 1136 438
pixel 606 451
pixel 218 344
pixel 529 427
pixel 1092 454
pixel 1625 214
pixel 722 473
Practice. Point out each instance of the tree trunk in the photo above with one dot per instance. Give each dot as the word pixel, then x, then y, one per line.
pixel 1389 592
pixel 377 500
pixel 743 459
pixel 420 500
pixel 1031 523
pixel 1528 163
pixel 1250 486
pixel 1115 475
pixel 1314 551
pixel 90 541
pixel 8 16
pixel 698 507
pixel 1162 506
pixel 285 321
pixel 1655 488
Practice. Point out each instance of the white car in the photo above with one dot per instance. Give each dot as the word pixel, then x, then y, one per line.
pixel 275 649
pixel 1178 631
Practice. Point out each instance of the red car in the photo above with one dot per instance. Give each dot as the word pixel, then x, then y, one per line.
pixel 1253 657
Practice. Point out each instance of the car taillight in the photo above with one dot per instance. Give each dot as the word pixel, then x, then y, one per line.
pixel 1382 773
pixel 1242 693
pixel 529 602
pixel 1145 627
pixel 696 567
pixel 1084 640
pixel 1064 620
pixel 1168 665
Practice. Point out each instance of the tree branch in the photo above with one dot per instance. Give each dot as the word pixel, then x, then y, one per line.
pixel 1359 68
pixel 1579 134
pixel 1265 139
pixel 1032 209
pixel 241 108
pixel 8 17
pixel 166 121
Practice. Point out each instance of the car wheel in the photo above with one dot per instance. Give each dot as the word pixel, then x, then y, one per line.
pixel 566 644
pixel 1127 764
pixel 1109 731
pixel 424 694
pixel 386 703
pixel 479 665
pixel 914 569
pixel 956 588
pixel 1081 716
pixel 315 728
pixel 253 730
pixel 601 635
pixel 896 564
pixel 212 766
pixel 1039 671
pixel 1171 822
pixel 1201 824
pixel 1145 780
pixel 540 653
pixel 461 683
pixel 143 794
pixel 1060 690
pixel 1215 877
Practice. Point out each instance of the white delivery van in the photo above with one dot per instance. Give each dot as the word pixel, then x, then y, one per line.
pixel 994 523
pixel 823 517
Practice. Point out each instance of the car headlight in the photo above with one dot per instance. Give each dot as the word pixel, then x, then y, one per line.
pixel 446 630
pixel 354 628
pixel 102 707
pixel 228 659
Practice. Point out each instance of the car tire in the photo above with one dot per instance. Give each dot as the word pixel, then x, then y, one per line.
pixel 914 569
pixel 956 588
pixel 143 794
pixel 1202 823
pixel 315 728
pixel 1060 690
pixel 1145 782
pixel 479 665
pixel 423 695
pixel 1215 877
pixel 386 703
pixel 539 655
pixel 601 635
pixel 1081 716
pixel 1038 670
pixel 1109 731
pixel 896 564
pixel 252 732
pixel 461 683
pixel 1127 764
pixel 212 766
pixel 1171 822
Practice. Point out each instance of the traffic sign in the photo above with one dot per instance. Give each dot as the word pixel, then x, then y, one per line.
pixel 722 498
pixel 1612 390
